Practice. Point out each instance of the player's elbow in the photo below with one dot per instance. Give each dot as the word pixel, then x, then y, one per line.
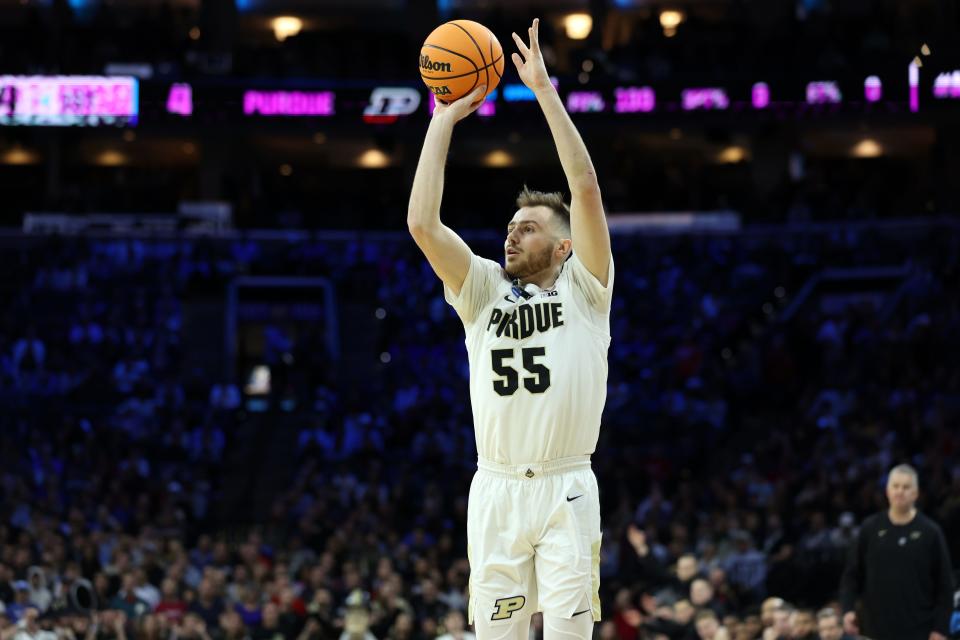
pixel 415 226
pixel 415 222
pixel 419 228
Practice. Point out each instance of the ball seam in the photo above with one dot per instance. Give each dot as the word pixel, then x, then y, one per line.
pixel 483 58
pixel 470 60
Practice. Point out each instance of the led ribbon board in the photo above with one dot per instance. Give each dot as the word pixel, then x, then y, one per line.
pixel 65 101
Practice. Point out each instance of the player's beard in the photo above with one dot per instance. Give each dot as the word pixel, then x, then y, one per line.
pixel 536 263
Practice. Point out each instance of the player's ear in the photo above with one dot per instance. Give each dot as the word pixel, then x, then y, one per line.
pixel 565 246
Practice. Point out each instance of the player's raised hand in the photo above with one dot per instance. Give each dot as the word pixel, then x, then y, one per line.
pixel 532 69
pixel 460 109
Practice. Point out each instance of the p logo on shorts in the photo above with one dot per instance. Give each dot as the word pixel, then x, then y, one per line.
pixel 506 607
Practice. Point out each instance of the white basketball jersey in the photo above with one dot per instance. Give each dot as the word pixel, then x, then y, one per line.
pixel 538 365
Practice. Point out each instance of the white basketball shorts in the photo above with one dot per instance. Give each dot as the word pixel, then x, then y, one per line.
pixel 533 539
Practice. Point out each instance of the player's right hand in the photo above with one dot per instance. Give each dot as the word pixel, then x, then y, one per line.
pixel 530 65
pixel 460 109
pixel 850 625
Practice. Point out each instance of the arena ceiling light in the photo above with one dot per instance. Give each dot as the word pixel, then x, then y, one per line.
pixel 670 19
pixel 20 156
pixel 732 155
pixel 498 158
pixel 578 25
pixel 111 158
pixel 373 159
pixel 867 148
pixel 286 26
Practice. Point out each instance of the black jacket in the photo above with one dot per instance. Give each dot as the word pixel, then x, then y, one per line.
pixel 902 575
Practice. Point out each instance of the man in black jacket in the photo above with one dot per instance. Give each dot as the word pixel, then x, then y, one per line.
pixel 899 567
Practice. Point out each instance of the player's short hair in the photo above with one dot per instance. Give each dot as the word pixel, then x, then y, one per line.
pixel 553 200
pixel 906 470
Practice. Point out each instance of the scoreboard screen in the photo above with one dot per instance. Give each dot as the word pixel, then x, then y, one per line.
pixel 124 100
pixel 69 100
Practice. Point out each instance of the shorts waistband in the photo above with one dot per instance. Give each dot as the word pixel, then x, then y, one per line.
pixel 531 470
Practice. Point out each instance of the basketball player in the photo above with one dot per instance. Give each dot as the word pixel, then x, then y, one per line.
pixel 537 333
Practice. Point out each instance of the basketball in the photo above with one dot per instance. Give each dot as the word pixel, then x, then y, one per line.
pixel 457 57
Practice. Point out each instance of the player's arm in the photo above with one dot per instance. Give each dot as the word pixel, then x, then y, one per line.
pixel 447 253
pixel 588 224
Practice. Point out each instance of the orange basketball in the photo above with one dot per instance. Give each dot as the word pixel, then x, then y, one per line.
pixel 457 57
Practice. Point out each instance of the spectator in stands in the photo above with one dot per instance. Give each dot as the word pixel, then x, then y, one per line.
pixel 40 595
pixel 320 614
pixel 829 625
pixel 803 625
pixel 144 590
pixel 767 609
pixel 430 610
pixel 746 566
pixel 708 626
pixel 231 627
pixel 208 606
pixel 273 626
pixel 687 569
pixel 779 628
pixel 683 615
pixel 193 627
pixel 455 626
pixel 702 596
pixel 126 599
pixel 403 628
pixel 171 605
pixel 28 628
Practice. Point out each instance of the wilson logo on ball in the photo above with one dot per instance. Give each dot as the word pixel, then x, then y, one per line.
pixel 429 65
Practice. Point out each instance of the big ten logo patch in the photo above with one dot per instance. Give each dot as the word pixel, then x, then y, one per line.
pixel 504 607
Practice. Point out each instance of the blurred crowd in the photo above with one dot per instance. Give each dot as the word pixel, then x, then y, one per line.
pixel 754 406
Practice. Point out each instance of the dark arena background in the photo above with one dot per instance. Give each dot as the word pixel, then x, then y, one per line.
pixel 235 403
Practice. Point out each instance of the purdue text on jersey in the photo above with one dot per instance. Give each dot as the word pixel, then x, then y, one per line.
pixel 526 319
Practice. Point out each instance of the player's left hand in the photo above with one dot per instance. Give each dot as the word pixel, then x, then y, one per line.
pixel 461 108
pixel 532 69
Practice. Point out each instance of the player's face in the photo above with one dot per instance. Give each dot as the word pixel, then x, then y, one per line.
pixel 531 242
pixel 901 491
